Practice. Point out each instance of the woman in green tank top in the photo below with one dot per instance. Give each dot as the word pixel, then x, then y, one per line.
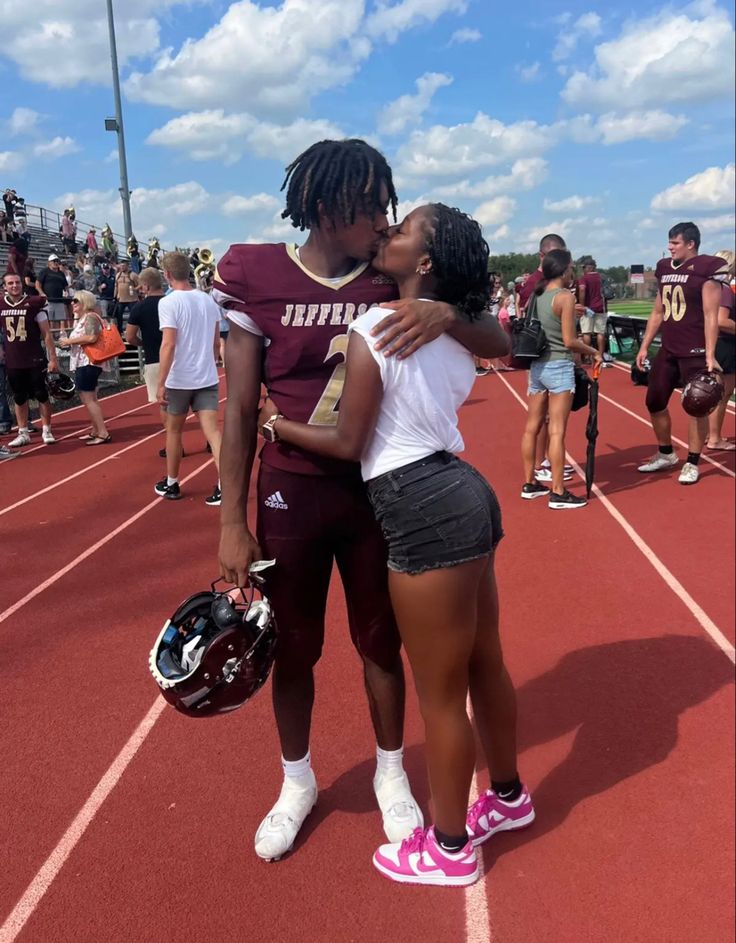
pixel 552 379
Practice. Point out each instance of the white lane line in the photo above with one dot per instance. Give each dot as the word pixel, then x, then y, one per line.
pixel 669 578
pixel 47 873
pixel 477 917
pixel 71 435
pixel 87 468
pixel 37 590
pixel 645 422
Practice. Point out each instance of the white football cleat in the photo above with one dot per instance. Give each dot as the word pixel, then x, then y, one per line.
pixel 400 811
pixel 659 462
pixel 689 474
pixel 277 832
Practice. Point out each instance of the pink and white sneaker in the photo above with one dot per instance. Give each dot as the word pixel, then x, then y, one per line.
pixel 489 815
pixel 419 859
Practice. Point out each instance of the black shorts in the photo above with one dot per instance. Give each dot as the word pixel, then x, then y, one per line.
pixel 28 383
pixel 667 373
pixel 726 353
pixel 85 378
pixel 435 513
pixel 305 523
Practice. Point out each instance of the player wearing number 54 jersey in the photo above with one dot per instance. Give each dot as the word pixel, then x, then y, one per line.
pixel 290 310
pixel 25 328
pixel 686 313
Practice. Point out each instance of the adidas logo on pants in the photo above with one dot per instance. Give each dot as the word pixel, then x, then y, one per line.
pixel 276 501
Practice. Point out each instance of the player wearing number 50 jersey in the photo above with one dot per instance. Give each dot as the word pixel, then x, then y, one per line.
pixel 686 313
pixel 290 309
pixel 25 329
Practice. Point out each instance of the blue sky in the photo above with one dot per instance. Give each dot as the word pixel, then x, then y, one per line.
pixel 605 122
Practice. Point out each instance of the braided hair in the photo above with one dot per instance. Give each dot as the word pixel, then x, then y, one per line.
pixel 459 256
pixel 345 176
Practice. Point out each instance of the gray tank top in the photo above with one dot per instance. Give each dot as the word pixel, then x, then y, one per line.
pixel 552 327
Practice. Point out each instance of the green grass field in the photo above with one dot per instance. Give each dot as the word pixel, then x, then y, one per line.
pixel 631 309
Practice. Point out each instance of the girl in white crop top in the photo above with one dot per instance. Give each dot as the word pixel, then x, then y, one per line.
pixel 442 523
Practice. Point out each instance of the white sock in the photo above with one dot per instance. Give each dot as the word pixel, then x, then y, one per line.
pixel 297 769
pixel 47 428
pixel 171 481
pixel 389 761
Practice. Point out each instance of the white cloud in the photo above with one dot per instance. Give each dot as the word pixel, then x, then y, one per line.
pixel 408 109
pixel 712 189
pixel 669 57
pixel 528 73
pixel 208 135
pixel 454 151
pixel 58 147
pixel 241 205
pixel 10 161
pixel 636 125
pixel 64 44
pixel 389 20
pixel 495 212
pixel 176 205
pixel 23 121
pixel 526 174
pixel 465 35
pixel 587 25
pixel 719 225
pixel 274 58
pixel 571 204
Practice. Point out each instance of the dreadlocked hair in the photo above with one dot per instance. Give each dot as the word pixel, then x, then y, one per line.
pixel 459 256
pixel 344 176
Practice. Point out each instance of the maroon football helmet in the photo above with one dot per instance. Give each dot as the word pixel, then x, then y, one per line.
pixel 216 651
pixel 702 394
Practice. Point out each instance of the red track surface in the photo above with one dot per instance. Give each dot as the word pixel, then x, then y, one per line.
pixel 625 711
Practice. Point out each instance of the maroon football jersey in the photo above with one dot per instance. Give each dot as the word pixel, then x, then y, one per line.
pixel 527 289
pixel 593 292
pixel 304 319
pixel 681 291
pixel 22 339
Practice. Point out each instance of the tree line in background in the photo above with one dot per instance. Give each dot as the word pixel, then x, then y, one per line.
pixel 513 264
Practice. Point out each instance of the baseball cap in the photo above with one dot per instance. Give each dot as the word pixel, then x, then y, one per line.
pixel 54 258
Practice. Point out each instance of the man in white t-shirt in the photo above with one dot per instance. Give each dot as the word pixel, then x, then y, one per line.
pixel 189 321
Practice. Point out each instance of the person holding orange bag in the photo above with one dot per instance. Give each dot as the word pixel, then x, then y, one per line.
pixel 86 330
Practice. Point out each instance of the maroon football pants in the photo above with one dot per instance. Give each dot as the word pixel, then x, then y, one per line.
pixel 305 523
pixel 667 373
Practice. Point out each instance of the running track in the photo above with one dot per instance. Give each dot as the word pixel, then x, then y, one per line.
pixel 126 823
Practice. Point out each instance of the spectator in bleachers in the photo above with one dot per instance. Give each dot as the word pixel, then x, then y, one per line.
pixel 106 289
pixel 86 330
pixel 21 227
pixel 69 232
pixel 29 279
pixel 10 199
pixel 4 226
pixel 87 281
pixel 126 293
pixel 91 241
pixel 52 283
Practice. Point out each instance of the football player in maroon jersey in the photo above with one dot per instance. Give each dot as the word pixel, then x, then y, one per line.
pixel 686 312
pixel 24 326
pixel 289 310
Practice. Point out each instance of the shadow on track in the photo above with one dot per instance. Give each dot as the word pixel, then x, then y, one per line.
pixel 624 699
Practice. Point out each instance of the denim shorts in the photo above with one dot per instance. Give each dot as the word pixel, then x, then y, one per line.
pixel 551 376
pixel 436 512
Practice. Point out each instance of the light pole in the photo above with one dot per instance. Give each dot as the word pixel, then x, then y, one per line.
pixel 116 124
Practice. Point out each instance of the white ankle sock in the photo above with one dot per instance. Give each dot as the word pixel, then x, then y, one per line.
pixel 297 769
pixel 171 481
pixel 389 761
